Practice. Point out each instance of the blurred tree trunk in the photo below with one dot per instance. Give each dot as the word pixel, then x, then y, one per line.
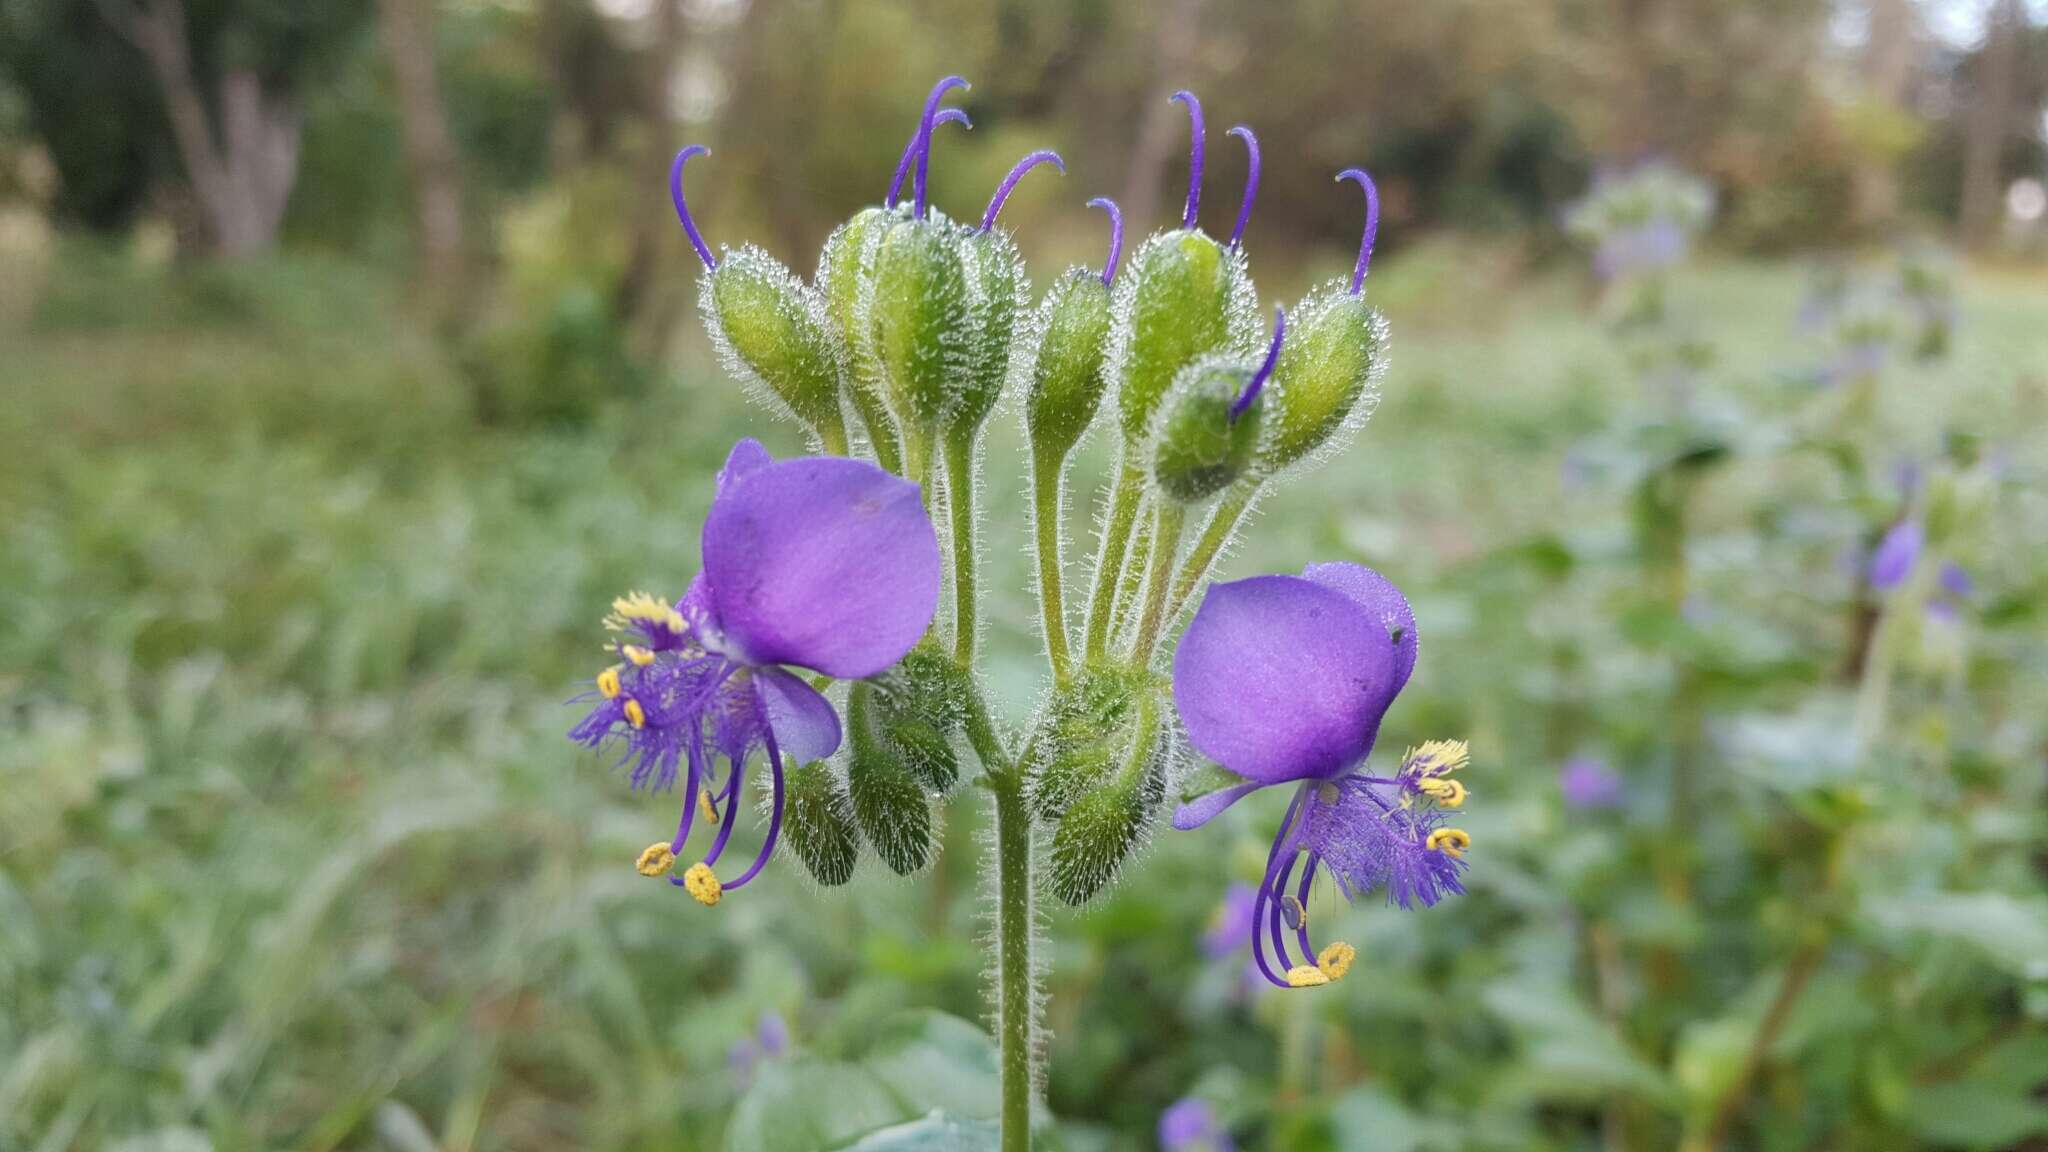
pixel 242 174
pixel 1887 69
pixel 1990 114
pixel 650 223
pixel 430 149
pixel 1173 52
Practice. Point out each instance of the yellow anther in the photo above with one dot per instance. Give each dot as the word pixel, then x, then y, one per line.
pixel 702 883
pixel 638 655
pixel 1336 960
pixel 1438 757
pixel 1448 793
pixel 709 809
pixel 639 606
pixel 608 683
pixel 1306 976
pixel 656 861
pixel 1450 841
pixel 635 714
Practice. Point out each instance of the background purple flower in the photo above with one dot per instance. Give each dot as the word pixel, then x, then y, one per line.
pixel 1190 1124
pixel 1896 554
pixel 1587 783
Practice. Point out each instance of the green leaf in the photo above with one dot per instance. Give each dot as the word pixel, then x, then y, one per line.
pixel 936 1061
pixel 935 1133
pixel 807 1104
pixel 2010 931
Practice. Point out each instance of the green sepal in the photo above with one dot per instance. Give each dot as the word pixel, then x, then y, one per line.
pixel 818 823
pixel 1103 827
pixel 1068 370
pixel 774 333
pixel 890 806
pixel 846 273
pixel 1181 295
pixel 919 317
pixel 1327 377
pixel 1198 447
pixel 918 709
pixel 1086 726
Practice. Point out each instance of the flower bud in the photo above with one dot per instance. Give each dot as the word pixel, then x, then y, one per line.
pixel 1200 446
pixel 996 270
pixel 846 273
pixel 1327 377
pixel 889 804
pixel 774 334
pixel 920 315
pixel 819 824
pixel 1067 370
pixel 1102 827
pixel 1182 295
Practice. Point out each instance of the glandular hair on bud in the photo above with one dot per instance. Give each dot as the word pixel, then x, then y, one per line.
pixel 1068 367
pixel 1181 295
pixel 820 825
pixel 996 272
pixel 1200 445
pixel 1326 381
pixel 774 334
pixel 1102 827
pixel 919 315
pixel 846 274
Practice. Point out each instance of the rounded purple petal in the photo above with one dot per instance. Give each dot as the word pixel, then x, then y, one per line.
pixel 747 457
pixel 823 562
pixel 806 728
pixel 1896 554
pixel 1281 678
pixel 1377 595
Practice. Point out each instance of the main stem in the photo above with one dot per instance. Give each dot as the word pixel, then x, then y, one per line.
pixel 1052 604
pixel 960 503
pixel 1013 958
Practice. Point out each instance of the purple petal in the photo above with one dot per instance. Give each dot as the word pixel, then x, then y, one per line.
pixel 1201 810
pixel 1377 595
pixel 1956 581
pixel 806 728
pixel 823 562
pixel 1896 554
pixel 1281 678
pixel 746 458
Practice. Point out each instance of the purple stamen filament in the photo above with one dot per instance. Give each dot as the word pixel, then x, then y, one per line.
pixel 775 812
pixel 675 193
pixel 1003 190
pixel 1267 890
pixel 910 150
pixel 1372 224
pixel 1116 235
pixel 1258 383
pixel 1187 215
pixel 924 133
pixel 1251 181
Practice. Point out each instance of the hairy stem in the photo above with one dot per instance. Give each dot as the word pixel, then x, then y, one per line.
pixel 1014 977
pixel 1165 545
pixel 960 503
pixel 1130 586
pixel 832 434
pixel 1223 521
pixel 1109 559
pixel 917 458
pixel 1052 605
pixel 881 428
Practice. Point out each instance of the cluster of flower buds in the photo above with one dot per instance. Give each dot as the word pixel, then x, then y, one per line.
pixel 906 342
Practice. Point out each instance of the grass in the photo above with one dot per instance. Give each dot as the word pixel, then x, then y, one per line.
pixel 293 853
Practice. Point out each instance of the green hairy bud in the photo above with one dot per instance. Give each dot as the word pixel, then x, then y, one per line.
pixel 889 804
pixel 1067 374
pixel 1204 441
pixel 1183 294
pixel 1103 792
pixel 819 825
pixel 846 270
pixel 919 707
pixel 773 332
pixel 1327 378
pixel 1000 293
pixel 919 316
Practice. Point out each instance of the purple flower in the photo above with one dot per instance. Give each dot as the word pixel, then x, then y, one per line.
pixel 1284 680
pixel 769 1042
pixel 1190 1124
pixel 1587 783
pixel 1954 586
pixel 1896 554
pixel 820 563
pixel 1230 926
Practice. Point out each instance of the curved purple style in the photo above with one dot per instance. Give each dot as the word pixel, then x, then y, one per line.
pixel 911 150
pixel 1195 150
pixel 1009 184
pixel 820 563
pixel 1116 236
pixel 1284 680
pixel 1372 224
pixel 924 134
pixel 675 195
pixel 1251 181
pixel 1258 381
